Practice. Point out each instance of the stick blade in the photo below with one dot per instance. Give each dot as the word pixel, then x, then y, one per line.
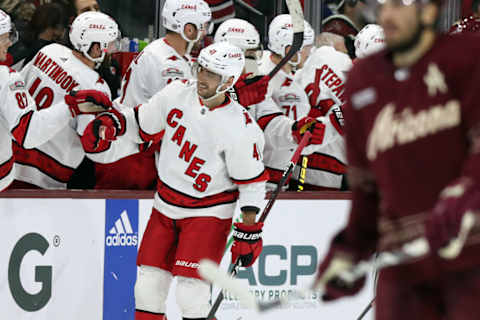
pixel 211 272
pixel 296 12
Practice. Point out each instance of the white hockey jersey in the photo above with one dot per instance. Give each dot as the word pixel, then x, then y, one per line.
pixel 323 76
pixel 323 79
pixel 19 120
pixel 209 157
pixel 292 101
pixel 52 74
pixel 155 67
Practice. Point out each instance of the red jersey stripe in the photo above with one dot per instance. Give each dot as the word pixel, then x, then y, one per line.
pixel 20 130
pixel 6 168
pixel 180 199
pixel 43 162
pixel 265 120
pixel 261 177
pixel 324 162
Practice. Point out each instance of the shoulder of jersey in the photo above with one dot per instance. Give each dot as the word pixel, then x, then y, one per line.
pixel 328 52
pixel 7 74
pixel 460 42
pixel 238 119
pixel 177 89
pixel 162 51
pixel 56 49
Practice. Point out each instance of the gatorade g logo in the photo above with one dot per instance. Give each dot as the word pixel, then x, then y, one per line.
pixel 43 274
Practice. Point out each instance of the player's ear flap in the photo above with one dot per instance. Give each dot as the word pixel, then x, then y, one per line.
pixel 227 83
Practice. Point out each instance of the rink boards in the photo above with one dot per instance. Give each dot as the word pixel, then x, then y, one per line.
pixel 75 259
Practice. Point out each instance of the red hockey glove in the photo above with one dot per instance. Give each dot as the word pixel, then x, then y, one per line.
pixel 306 123
pixel 247 244
pixel 251 91
pixel 87 102
pixel 340 258
pixel 449 222
pixel 106 127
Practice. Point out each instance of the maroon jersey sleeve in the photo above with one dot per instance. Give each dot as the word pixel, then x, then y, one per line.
pixel 361 231
pixel 465 82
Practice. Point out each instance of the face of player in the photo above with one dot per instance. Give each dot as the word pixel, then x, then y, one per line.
pixel 401 23
pixel 86 5
pixel 5 43
pixel 304 54
pixel 295 57
pixel 193 33
pixel 207 82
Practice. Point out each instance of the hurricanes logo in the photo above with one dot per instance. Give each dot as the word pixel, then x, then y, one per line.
pixel 121 234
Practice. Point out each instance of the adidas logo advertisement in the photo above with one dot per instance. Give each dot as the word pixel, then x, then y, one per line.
pixel 121 234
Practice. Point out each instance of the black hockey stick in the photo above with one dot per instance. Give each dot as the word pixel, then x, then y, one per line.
pixel 367 308
pixel 211 272
pixel 296 12
pixel 286 174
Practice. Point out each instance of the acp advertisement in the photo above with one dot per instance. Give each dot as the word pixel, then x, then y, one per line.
pixel 76 259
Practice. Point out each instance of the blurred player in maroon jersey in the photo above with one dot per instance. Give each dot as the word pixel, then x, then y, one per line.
pixel 413 145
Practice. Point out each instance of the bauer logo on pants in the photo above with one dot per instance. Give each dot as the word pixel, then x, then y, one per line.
pixel 120 272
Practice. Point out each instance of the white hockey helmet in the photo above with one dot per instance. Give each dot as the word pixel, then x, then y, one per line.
pixel 369 40
pixel 224 59
pixel 7 26
pixel 280 36
pixel 177 13
pixel 238 32
pixel 91 27
pixel 308 34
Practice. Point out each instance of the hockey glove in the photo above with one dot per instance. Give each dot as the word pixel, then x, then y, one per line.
pixel 87 102
pixel 306 123
pixel 106 127
pixel 247 244
pixel 451 219
pixel 340 258
pixel 251 91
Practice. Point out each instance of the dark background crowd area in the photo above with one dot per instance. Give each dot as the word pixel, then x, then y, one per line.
pixel 40 23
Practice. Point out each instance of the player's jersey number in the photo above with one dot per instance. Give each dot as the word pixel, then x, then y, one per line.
pixel 43 95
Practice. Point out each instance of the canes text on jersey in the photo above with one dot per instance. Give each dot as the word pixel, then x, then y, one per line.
pixel 187 149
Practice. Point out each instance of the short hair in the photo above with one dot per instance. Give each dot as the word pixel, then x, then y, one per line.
pixel 327 39
pixel 50 15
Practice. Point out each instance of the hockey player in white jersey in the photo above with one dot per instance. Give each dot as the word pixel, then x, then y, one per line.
pixel 323 79
pixel 51 76
pixel 19 119
pixel 168 58
pixel 281 131
pixel 211 156
pixel 286 93
pixel 162 61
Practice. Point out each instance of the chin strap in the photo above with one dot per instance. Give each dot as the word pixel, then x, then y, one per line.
pixel 98 61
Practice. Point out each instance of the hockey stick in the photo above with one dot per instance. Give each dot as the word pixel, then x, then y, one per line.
pixel 303 174
pixel 296 12
pixel 286 174
pixel 367 308
pixel 405 254
pixel 249 7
